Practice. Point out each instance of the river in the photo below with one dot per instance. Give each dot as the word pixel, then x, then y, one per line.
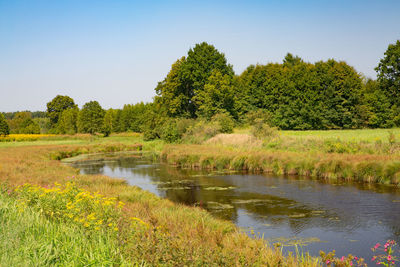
pixel 315 215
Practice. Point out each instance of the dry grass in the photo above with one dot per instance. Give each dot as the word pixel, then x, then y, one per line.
pixel 191 236
pixel 234 140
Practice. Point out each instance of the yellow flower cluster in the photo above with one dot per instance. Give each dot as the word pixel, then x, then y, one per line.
pixel 23 137
pixel 93 211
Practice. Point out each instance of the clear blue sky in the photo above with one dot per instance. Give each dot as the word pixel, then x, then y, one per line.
pixel 115 52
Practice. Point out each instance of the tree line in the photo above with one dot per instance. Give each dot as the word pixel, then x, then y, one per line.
pixel 202 86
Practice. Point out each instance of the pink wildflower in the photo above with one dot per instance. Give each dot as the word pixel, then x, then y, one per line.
pixel 342 259
pixel 389 258
pixel 377 245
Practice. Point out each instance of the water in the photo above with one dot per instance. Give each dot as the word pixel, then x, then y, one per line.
pixel 349 218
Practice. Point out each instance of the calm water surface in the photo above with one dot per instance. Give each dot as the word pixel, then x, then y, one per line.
pixel 350 218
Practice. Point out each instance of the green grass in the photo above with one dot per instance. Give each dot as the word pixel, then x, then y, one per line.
pixel 366 135
pixel 154 145
pixel 359 135
pixel 29 239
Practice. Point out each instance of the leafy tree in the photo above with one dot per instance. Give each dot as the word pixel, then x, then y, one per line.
pixel 90 118
pixel 388 72
pixel 375 108
pixel 109 119
pixel 132 117
pixel 67 123
pixel 56 106
pixel 22 123
pixel 4 129
pixel 217 97
pixel 187 79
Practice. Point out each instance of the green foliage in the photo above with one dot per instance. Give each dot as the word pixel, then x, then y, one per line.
pixel 4 129
pixel 56 106
pixel 224 121
pixel 300 95
pixel 261 130
pixel 217 97
pixel 67 123
pixel 44 124
pixel 22 123
pixel 90 118
pixel 187 79
pixel 257 115
pixel 154 121
pixel 388 72
pixel 201 131
pixel 132 117
pixel 375 110
pixel 108 120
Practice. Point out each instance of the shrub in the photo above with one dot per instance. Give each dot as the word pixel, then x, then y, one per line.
pixel 201 131
pixel 255 115
pixel 224 121
pixel 4 129
pixel 261 130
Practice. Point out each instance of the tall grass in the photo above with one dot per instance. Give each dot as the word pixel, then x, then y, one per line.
pixel 363 168
pixel 29 239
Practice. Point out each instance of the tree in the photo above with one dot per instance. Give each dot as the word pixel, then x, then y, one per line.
pixel 388 72
pixel 217 96
pixel 22 123
pixel 187 79
pixel 4 129
pixel 90 118
pixel 108 121
pixel 56 106
pixel 67 123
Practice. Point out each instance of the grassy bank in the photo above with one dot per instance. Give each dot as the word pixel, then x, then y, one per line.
pixel 163 233
pixel 353 167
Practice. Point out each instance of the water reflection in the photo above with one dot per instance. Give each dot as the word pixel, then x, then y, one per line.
pixel 349 218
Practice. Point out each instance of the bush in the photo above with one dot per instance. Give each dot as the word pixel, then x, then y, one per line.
pixel 262 130
pixel 255 115
pixel 4 129
pixel 224 121
pixel 201 131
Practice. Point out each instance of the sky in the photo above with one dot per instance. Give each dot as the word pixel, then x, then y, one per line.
pixel 115 52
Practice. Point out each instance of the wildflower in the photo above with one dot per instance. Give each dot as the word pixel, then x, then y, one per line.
pixel 377 245
pixel 389 257
pixel 342 259
pixel 328 261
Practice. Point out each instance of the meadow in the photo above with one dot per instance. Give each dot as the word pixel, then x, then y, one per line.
pixel 48 209
pixel 40 197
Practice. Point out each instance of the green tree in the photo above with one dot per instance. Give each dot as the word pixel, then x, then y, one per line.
pixel 67 123
pixel 187 79
pixel 90 118
pixel 22 123
pixel 56 106
pixel 217 97
pixel 108 121
pixel 388 72
pixel 4 129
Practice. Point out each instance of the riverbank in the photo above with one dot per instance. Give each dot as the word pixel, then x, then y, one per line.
pixel 174 234
pixel 383 169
